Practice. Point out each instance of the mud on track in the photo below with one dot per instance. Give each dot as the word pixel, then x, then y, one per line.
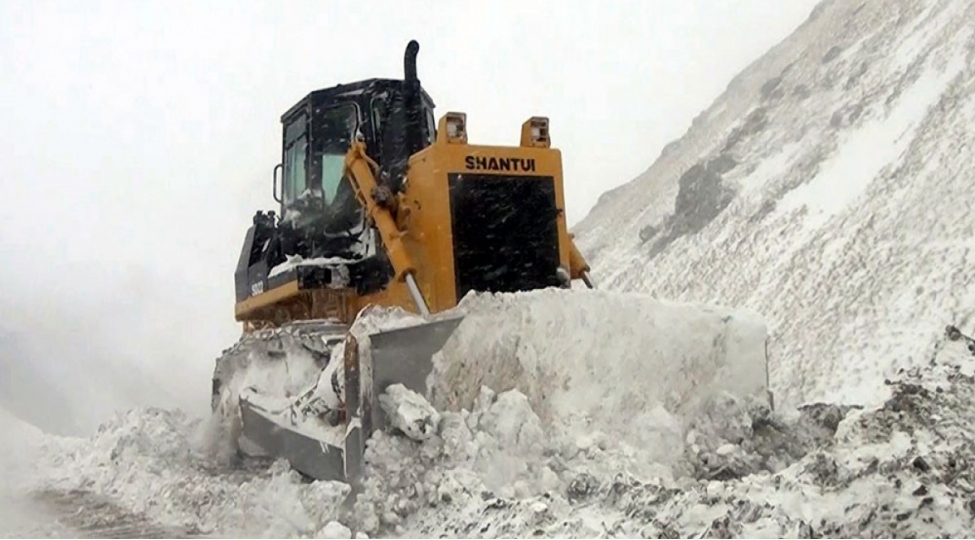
pixel 84 514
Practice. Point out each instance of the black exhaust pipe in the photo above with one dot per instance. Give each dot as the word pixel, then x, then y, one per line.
pixel 411 95
pixel 404 131
pixel 409 61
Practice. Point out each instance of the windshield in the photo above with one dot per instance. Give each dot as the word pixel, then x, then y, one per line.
pixel 334 135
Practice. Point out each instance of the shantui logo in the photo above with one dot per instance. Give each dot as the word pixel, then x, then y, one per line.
pixel 480 163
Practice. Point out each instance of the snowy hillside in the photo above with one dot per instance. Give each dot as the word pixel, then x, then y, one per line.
pixel 829 188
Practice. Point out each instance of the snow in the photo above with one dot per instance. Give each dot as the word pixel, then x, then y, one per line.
pixel 831 470
pixel 498 469
pixel 925 35
pixel 154 464
pixel 598 358
pixel 771 167
pixel 864 153
pixel 409 412
pixel 334 529
pixel 294 261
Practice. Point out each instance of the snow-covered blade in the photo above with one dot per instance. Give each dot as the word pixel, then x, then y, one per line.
pixel 320 432
pixel 310 449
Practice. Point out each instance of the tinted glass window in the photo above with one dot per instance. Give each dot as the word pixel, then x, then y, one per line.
pixel 431 127
pixel 335 132
pixel 295 156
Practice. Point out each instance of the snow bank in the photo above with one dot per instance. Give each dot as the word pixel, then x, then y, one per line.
pixel 600 361
pixel 827 470
pixel 736 469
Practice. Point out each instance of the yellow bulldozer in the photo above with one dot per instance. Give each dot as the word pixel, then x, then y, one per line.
pixel 382 206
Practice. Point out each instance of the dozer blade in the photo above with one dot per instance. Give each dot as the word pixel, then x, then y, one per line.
pixel 403 356
pixel 325 452
pixel 277 434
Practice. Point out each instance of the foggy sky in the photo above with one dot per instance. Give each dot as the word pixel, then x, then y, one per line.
pixel 138 138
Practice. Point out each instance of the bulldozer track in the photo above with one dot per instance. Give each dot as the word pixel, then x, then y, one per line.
pixel 89 515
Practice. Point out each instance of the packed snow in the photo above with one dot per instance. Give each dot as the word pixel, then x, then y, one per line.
pixel 600 360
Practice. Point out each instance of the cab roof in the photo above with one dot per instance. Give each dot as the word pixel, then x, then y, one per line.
pixel 367 86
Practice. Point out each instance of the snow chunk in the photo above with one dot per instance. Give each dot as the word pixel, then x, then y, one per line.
pixel 334 529
pixel 409 412
pixel 509 418
pixel 294 261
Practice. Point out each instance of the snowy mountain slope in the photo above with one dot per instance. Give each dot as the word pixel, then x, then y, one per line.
pixel 829 188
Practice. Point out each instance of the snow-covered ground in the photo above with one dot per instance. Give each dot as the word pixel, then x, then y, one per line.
pixel 828 190
pixel 897 470
pixel 901 469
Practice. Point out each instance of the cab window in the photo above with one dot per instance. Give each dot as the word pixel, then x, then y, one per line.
pixel 431 126
pixel 333 138
pixel 295 156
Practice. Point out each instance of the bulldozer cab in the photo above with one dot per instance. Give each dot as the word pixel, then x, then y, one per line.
pixel 393 117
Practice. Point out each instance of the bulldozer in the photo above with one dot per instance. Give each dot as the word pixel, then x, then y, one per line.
pixel 381 207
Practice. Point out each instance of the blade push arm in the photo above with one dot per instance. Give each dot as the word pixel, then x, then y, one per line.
pixel 360 167
pixel 578 267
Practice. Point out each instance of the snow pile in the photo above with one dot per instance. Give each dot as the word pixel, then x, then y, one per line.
pixel 599 360
pixel 897 470
pixel 735 469
pixel 153 462
pixel 828 190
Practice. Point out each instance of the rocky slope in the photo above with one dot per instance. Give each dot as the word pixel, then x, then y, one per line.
pixel 829 189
